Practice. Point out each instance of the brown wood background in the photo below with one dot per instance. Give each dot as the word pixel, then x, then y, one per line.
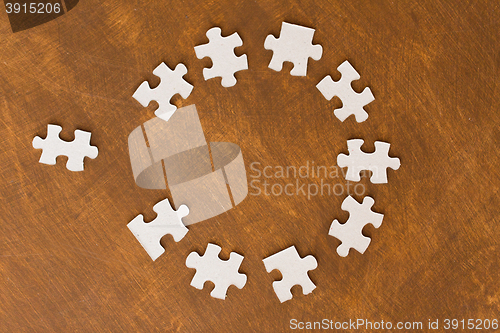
pixel 68 262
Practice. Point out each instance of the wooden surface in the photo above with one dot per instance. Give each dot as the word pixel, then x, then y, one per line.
pixel 68 263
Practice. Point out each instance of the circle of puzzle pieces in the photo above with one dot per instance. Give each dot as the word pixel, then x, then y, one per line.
pixel 221 51
pixel 350 233
pixel 222 273
pixel 294 45
pixel 294 271
pixel 52 147
pixel 376 162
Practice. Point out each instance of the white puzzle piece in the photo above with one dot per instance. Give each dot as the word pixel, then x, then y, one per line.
pixel 294 271
pixel 222 273
pixel 52 147
pixel 350 233
pixel 294 45
pixel 221 51
pixel 352 102
pixel 376 162
pixel 168 221
pixel 172 82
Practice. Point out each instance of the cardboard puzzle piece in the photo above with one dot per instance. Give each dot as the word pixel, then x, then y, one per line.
pixel 222 273
pixel 352 102
pixel 172 82
pixel 294 270
pixel 294 45
pixel 168 221
pixel 350 233
pixel 376 162
pixel 52 147
pixel 221 51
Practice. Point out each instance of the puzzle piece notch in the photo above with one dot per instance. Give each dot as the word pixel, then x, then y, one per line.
pixel 352 102
pixel 224 61
pixel 294 271
pixel 376 162
pixel 168 221
pixel 172 83
pixel 350 233
pixel 52 147
pixel 222 273
pixel 293 45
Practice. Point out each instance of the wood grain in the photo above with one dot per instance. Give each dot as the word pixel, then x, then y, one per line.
pixel 68 263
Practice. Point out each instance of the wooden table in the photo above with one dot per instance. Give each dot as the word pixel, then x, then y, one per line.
pixel 68 262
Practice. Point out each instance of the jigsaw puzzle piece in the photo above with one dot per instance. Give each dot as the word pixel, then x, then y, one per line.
pixel 221 51
pixel 172 83
pixel 293 45
pixel 223 273
pixel 376 162
pixel 49 155
pixel 352 102
pixel 382 159
pixel 351 232
pixel 168 221
pixel 52 147
pixel 294 271
pixel 355 161
pixel 80 145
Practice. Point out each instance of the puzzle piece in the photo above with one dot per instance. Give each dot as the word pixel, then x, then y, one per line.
pixel 52 147
pixel 168 221
pixel 294 271
pixel 222 273
pixel 350 233
pixel 172 83
pixel 221 51
pixel 294 45
pixel 352 102
pixel 377 162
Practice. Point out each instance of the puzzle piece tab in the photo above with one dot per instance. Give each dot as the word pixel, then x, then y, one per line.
pixel 294 45
pixel 377 162
pixel 52 147
pixel 350 233
pixel 221 51
pixel 168 221
pixel 222 273
pixel 352 102
pixel 294 270
pixel 172 83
